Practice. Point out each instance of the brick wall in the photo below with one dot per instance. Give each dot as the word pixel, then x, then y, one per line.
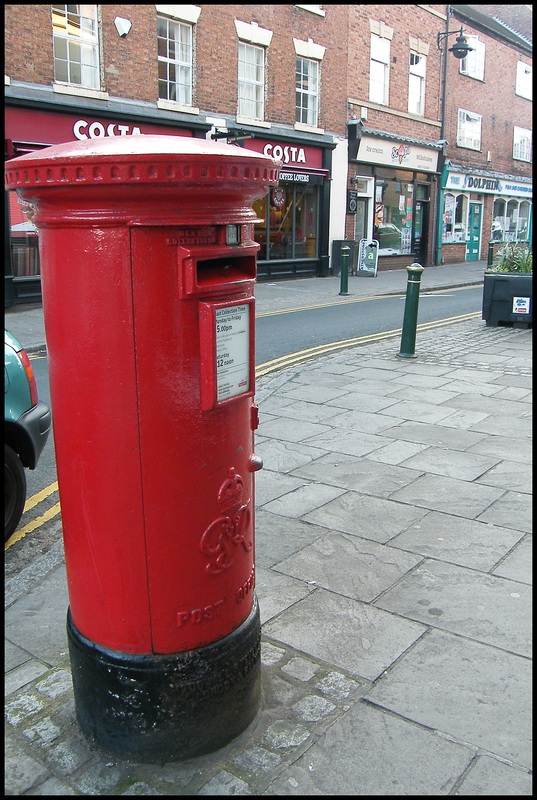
pixel 129 65
pixel 416 22
pixel 28 43
pixel 495 99
pixel 217 47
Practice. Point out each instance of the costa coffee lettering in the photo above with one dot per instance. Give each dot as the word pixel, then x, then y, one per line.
pixel 95 130
pixel 287 154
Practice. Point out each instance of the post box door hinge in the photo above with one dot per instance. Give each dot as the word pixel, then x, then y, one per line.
pixel 254 417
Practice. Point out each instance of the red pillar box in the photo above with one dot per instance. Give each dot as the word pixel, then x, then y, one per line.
pixel 148 265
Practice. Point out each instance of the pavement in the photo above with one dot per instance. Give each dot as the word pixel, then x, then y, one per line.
pixel 393 573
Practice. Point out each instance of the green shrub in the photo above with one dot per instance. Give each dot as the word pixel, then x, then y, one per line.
pixel 513 257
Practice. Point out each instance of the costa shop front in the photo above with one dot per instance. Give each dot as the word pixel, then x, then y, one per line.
pixel 29 129
pixel 294 216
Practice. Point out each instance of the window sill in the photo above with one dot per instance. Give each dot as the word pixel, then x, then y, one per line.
pixel 79 91
pixel 258 123
pixel 301 126
pixel 172 105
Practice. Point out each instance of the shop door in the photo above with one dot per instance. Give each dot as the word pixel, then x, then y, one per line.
pixel 474 232
pixel 421 226
pixel 360 223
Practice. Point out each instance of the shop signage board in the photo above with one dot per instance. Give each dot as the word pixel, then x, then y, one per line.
pixel 368 255
pixel 395 154
pixel 487 184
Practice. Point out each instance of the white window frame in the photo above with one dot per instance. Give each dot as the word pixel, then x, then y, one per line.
pixel 460 205
pixel 183 66
pixel 379 70
pixel 468 124
pixel 251 88
pixel 521 144
pixel 524 84
pixel 474 63
pixel 307 91
pixel 73 36
pixel 416 78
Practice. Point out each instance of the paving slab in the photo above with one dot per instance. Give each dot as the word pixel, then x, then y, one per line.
pixel 489 776
pixel 507 474
pixel 277 537
pixel 347 440
pixel 518 564
pixel 457 540
pixel 357 757
pixel 471 691
pixel 362 475
pixel 302 500
pixel 451 463
pixel 36 622
pixel 354 636
pixel 452 496
pixel 513 510
pixel 348 565
pixel 486 608
pixel 442 435
pixel 366 516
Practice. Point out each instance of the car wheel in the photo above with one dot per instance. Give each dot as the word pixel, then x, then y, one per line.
pixel 14 491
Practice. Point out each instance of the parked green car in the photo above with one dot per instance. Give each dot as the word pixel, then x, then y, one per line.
pixel 26 428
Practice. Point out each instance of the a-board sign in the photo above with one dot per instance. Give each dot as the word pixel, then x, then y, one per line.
pixel 368 254
pixel 226 340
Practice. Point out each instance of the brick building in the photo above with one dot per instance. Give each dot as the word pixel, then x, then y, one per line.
pixel 486 184
pixel 349 97
pixel 432 182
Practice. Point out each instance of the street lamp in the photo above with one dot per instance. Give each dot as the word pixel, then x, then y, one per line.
pixel 460 49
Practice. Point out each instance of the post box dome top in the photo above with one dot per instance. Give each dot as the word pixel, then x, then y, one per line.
pixel 141 159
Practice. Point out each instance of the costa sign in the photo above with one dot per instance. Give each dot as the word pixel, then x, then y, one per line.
pixel 95 130
pixel 288 154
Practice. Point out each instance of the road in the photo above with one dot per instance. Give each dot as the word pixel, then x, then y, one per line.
pixel 283 338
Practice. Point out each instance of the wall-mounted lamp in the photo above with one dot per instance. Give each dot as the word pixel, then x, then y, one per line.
pixel 461 48
pixel 123 26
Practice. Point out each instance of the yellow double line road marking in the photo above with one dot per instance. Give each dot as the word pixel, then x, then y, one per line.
pixel 295 358
pixel 33 501
pixel 261 369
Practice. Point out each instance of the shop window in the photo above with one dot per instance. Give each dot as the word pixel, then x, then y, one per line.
pixel 521 144
pixel 511 221
pixel 24 242
pixel 251 86
pixel 455 219
pixel 469 130
pixel 524 86
pixel 174 53
pixel 394 201
pixel 379 70
pixel 290 223
pixel 75 44
pixel 416 84
pixel 307 91
pixel 474 63
pixel 523 227
pixel 498 220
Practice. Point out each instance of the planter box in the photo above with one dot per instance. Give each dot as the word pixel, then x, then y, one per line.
pixel 507 299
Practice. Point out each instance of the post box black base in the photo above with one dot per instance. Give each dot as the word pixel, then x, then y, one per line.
pixel 159 708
